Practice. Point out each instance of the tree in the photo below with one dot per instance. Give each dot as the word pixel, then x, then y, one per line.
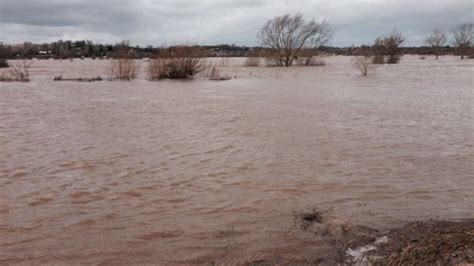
pixel 388 46
pixel 378 50
pixel 463 38
pixel 436 40
pixel 3 55
pixel 391 44
pixel 287 35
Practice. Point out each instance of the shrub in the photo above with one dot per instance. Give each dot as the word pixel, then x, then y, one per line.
pixel 388 46
pixel 225 62
pixel 309 57
pixel 19 73
pixel 215 74
pixel 311 61
pixel 124 67
pixel 252 61
pixel 179 62
pixel 156 69
pixel 393 59
pixel 253 58
pixel 378 59
pixel 363 63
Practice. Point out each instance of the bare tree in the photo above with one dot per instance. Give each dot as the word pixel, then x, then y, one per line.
pixel 215 74
pixel 363 63
pixel 436 40
pixel 392 44
pixel 378 50
pixel 463 38
pixel 321 38
pixel 363 60
pixel 287 35
pixel 388 46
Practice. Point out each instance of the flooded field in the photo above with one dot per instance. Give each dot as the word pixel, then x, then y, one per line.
pixel 181 172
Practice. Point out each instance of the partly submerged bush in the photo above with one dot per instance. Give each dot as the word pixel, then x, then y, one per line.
pixel 388 46
pixel 178 62
pixel 393 59
pixel 252 61
pixel 378 59
pixel 124 67
pixel 253 58
pixel 363 63
pixel 18 72
pixel 310 61
pixel 215 74
pixel 225 62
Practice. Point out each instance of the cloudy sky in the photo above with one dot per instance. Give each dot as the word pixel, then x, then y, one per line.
pixel 162 22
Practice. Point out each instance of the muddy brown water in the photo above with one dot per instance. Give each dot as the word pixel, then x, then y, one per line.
pixel 201 171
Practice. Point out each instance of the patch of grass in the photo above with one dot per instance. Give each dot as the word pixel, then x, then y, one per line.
pixel 60 78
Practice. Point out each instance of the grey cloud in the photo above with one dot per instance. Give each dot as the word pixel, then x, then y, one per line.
pixel 159 22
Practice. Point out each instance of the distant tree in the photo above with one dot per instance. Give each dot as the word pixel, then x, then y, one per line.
pixel 287 35
pixel 61 49
pixel 3 56
pixel 463 38
pixel 436 40
pixel 378 50
pixel 392 44
pixel 89 49
pixel 388 46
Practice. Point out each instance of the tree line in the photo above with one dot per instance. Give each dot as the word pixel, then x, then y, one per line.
pixel 283 40
pixel 88 49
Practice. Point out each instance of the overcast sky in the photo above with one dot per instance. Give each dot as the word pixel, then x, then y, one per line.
pixel 162 22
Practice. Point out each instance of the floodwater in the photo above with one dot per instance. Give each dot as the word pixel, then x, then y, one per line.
pixel 183 172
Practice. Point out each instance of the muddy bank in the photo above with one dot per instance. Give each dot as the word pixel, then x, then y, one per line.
pixel 428 242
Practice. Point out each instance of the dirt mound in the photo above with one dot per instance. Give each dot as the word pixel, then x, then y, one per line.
pixel 418 243
pixel 429 243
